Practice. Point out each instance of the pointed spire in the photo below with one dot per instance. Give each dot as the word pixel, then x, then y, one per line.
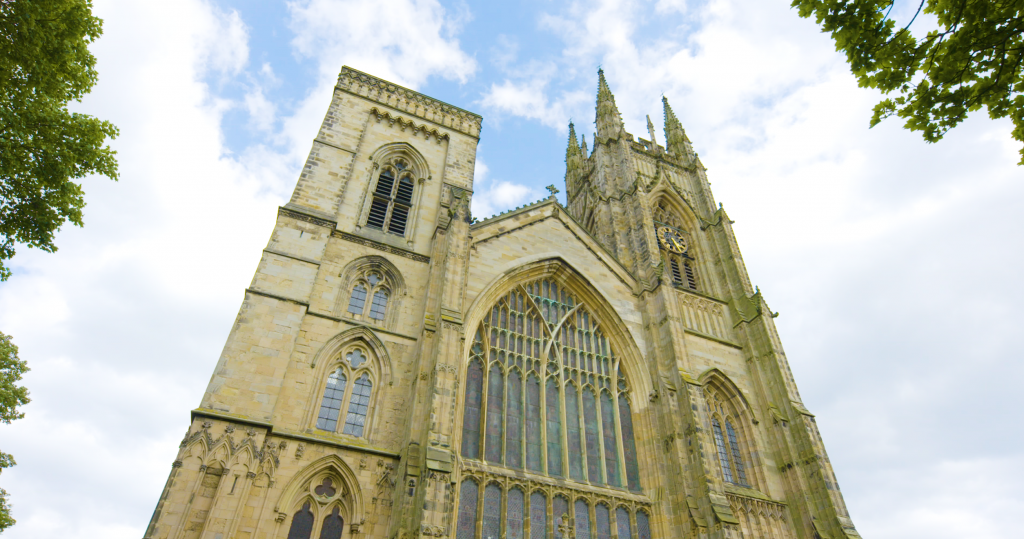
pixel 650 130
pixel 676 141
pixel 583 146
pixel 609 121
pixel 573 147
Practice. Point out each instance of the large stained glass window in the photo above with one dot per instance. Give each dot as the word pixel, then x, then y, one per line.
pixel 545 393
pixel 543 378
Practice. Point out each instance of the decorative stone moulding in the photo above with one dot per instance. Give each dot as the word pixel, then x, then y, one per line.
pixel 406 100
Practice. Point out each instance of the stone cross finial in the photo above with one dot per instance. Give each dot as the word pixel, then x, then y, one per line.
pixel 553 190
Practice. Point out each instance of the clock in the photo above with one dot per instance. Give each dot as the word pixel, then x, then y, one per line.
pixel 671 240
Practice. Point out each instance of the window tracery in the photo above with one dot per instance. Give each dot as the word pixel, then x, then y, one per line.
pixel 322 508
pixel 369 291
pixel 337 393
pixel 391 200
pixel 727 439
pixel 545 393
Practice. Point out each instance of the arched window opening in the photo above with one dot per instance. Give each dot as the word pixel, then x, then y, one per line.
pixel 355 421
pixel 353 364
pixel 333 526
pixel 622 522
pixel 371 291
pixel 691 276
pixel 392 198
pixel 582 520
pixel 514 514
pixel 467 511
pixel 302 523
pixel 677 276
pixel 727 438
pixel 538 515
pixel 643 526
pixel 545 392
pixel 330 406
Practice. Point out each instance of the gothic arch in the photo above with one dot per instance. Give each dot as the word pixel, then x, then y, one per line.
pixel 378 366
pixel 718 386
pixel 620 338
pixel 677 205
pixel 420 173
pixel 350 497
pixel 394 283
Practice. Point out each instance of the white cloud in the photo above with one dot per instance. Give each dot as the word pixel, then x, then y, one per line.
pixel 491 196
pixel 261 111
pixel 404 41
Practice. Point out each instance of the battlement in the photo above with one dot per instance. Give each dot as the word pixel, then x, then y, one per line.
pixel 409 101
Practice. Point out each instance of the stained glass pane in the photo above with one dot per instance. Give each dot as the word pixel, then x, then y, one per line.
pixel 379 305
pixel 741 474
pixel 602 522
pixel 355 421
pixel 723 457
pixel 358 299
pixel 554 420
pixel 572 433
pixel 622 524
pixel 628 444
pixel 514 515
pixel 534 436
pixel 611 446
pixel 330 407
pixel 467 511
pixel 514 422
pixel 592 436
pixel 559 513
pixel 582 520
pixel 492 436
pixel 302 523
pixel 538 516
pixel 471 419
pixel 492 512
pixel 333 526
pixel 643 526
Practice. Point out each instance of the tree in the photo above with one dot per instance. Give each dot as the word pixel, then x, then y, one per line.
pixel 11 397
pixel 45 63
pixel 973 60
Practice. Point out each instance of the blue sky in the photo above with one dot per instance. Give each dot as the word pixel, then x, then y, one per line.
pixel 893 262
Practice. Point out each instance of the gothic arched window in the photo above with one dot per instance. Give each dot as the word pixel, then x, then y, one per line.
pixel 369 286
pixel 302 523
pixel 675 243
pixel 727 439
pixel 545 393
pixel 392 198
pixel 354 397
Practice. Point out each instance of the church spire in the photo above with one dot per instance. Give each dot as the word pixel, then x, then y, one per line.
pixel 609 121
pixel 573 147
pixel 583 146
pixel 676 141
pixel 650 131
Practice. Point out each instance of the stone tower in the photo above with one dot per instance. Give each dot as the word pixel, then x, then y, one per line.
pixel 398 369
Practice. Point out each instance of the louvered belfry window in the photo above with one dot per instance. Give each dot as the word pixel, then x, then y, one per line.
pixel 545 394
pixel 392 199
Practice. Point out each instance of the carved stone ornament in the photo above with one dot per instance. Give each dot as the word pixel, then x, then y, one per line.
pixel 433 531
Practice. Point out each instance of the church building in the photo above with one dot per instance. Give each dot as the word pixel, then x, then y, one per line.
pixel 400 369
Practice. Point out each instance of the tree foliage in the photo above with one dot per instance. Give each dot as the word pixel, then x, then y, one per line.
pixel 44 64
pixel 11 397
pixel 973 60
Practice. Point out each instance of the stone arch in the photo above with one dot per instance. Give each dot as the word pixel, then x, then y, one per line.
pixel 718 384
pixel 297 491
pixel 630 356
pixel 420 174
pixel 378 366
pixel 394 282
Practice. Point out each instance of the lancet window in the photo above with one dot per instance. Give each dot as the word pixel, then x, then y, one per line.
pixel 392 198
pixel 371 291
pixel 342 396
pixel 728 449
pixel 545 393
pixel 320 511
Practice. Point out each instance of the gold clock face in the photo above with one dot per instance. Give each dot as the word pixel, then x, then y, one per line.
pixel 671 240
